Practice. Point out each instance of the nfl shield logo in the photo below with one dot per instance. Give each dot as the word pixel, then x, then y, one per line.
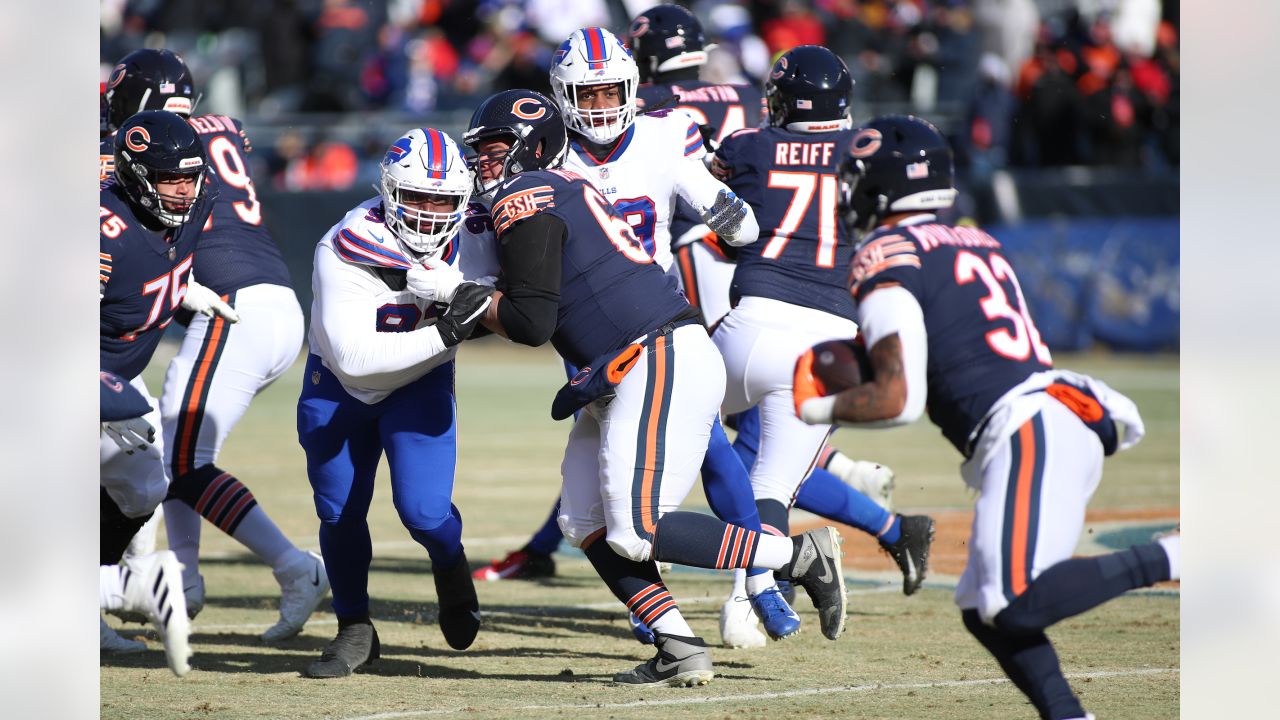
pixel 604 173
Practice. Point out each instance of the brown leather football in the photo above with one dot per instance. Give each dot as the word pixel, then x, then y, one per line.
pixel 840 364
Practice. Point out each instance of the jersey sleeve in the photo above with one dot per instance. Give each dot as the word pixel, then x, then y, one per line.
pixel 730 157
pixel 691 136
pixel 478 248
pixel 521 198
pixel 346 303
pixel 887 260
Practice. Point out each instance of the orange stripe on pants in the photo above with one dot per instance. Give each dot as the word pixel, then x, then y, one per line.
pixel 647 520
pixel 1018 570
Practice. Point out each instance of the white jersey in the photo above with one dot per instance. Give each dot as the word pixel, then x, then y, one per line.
pixel 659 156
pixel 367 328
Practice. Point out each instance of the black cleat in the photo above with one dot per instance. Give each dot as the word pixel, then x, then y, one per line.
pixel 815 566
pixel 680 662
pixel 911 552
pixel 459 607
pixel 355 646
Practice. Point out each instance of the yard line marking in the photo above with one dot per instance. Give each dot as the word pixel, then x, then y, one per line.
pixel 702 700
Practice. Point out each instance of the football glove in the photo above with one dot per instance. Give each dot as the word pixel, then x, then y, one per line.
pixel 436 281
pixel 725 216
pixel 470 301
pixel 206 302
pixel 132 434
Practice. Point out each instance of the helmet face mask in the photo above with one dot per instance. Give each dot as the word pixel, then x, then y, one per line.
pixel 591 57
pixel 809 89
pixel 153 149
pixel 667 38
pixel 895 164
pixel 529 123
pixel 425 186
pixel 149 80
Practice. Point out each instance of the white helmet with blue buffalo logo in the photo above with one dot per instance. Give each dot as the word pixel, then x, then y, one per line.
pixel 424 164
pixel 595 56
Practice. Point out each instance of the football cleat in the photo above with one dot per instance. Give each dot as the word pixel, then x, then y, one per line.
pixel 640 630
pixel 739 624
pixel 153 585
pixel 355 646
pixel 911 552
pixel 193 591
pixel 871 479
pixel 459 607
pixel 303 585
pixel 816 568
pixel 518 564
pixel 788 590
pixel 109 641
pixel 680 662
pixel 779 620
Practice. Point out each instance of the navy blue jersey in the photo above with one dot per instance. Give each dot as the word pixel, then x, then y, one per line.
pixel 611 291
pixel 982 340
pixel 788 178
pixel 236 250
pixel 142 275
pixel 724 108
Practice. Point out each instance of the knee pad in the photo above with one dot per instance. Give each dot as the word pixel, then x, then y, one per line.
pixel 629 545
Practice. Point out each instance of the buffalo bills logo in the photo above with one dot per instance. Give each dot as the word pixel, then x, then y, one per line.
pixel 137 139
pixel 640 26
pixel 397 151
pixel 520 109
pixel 780 69
pixel 865 143
pixel 561 52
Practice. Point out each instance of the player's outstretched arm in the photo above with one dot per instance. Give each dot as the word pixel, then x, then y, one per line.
pixel 728 215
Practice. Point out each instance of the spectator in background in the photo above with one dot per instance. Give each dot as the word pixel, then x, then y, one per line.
pixel 988 128
pixel 795 24
pixel 1048 118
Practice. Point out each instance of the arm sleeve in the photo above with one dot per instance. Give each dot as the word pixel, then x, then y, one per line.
pixel 700 188
pixel 530 252
pixel 890 310
pixel 345 312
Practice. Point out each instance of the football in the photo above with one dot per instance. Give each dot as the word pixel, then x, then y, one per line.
pixel 841 364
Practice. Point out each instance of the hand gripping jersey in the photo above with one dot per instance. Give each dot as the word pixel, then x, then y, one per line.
pixel 360 297
pixel 803 254
pixel 142 275
pixel 981 338
pixel 236 250
pixel 725 108
pixel 611 290
pixel 657 159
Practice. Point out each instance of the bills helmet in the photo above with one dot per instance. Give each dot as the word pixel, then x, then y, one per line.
pixel 154 146
pixel 424 162
pixel 809 89
pixel 149 80
pixel 666 38
pixel 589 57
pixel 895 163
pixel 530 122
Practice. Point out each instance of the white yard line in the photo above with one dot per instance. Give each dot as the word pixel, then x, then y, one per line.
pixel 705 699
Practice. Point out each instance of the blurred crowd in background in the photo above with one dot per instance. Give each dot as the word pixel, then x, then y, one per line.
pixel 323 84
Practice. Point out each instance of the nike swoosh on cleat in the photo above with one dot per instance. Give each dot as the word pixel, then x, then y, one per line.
pixel 662 666
pixel 826 571
pixel 316 581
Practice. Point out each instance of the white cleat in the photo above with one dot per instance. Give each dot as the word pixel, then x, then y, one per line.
pixel 109 641
pixel 153 585
pixel 871 479
pixel 144 541
pixel 739 626
pixel 303 584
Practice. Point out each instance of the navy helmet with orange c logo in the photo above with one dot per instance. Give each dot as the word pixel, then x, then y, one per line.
pixel 895 163
pixel 530 122
pixel 155 145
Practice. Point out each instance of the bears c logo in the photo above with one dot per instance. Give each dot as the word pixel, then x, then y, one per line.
pixel 136 139
pixel 640 26
pixel 865 143
pixel 518 109
pixel 117 74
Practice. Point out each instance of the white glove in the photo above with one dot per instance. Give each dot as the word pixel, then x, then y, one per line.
pixel 206 302
pixel 436 281
pixel 132 434
pixel 726 217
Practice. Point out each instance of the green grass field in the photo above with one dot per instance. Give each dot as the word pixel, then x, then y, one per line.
pixel 548 649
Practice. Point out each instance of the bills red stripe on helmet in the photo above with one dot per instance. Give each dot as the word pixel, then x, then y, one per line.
pixel 435 154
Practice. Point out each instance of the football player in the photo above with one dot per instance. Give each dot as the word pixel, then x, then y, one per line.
pixel 147 584
pixel 945 322
pixel 790 292
pixel 575 274
pixel 222 364
pixel 670 47
pixel 150 213
pixel 379 379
